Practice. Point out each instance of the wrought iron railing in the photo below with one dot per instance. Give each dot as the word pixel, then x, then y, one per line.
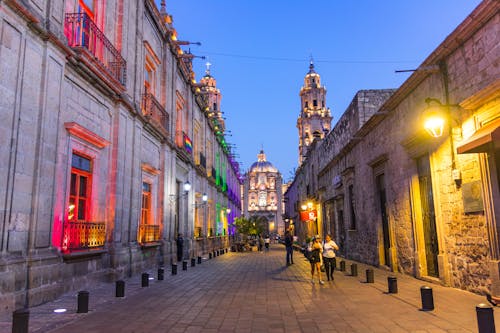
pixel 83 235
pixel 153 110
pixel 81 31
pixel 149 233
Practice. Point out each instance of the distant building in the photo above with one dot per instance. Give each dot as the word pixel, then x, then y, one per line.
pixel 315 119
pixel 263 194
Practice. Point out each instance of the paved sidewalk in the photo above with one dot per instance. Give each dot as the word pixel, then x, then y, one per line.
pixel 256 292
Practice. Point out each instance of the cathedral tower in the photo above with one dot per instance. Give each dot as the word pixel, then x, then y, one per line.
pixel 213 96
pixel 315 119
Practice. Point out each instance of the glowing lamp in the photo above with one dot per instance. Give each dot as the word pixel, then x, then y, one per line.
pixel 434 125
pixel 204 197
pixel 304 206
pixel 187 186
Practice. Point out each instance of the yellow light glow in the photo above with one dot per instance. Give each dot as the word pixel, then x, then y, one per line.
pixel 304 207
pixel 434 125
pixel 309 205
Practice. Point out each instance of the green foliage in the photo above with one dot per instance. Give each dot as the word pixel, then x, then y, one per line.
pixel 250 226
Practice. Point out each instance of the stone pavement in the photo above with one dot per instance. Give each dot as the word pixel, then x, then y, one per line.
pixel 256 292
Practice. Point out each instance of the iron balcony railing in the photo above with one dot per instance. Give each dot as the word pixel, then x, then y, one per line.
pixel 149 233
pixel 154 111
pixel 82 32
pixel 83 235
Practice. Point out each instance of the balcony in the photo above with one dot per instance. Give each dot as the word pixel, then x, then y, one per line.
pixel 198 232
pixel 154 112
pixel 83 235
pixel 82 32
pixel 148 233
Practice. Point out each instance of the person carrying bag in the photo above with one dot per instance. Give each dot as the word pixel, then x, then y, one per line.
pixel 329 248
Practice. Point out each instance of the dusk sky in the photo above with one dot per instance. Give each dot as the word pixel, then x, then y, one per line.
pixel 260 52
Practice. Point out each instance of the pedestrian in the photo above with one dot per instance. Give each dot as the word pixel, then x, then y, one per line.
pixel 289 248
pixel 180 245
pixel 315 248
pixel 267 241
pixel 329 248
pixel 261 242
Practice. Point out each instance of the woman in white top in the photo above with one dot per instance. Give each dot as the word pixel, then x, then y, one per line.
pixel 329 248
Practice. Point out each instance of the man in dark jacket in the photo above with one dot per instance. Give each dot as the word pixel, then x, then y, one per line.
pixel 289 248
pixel 180 245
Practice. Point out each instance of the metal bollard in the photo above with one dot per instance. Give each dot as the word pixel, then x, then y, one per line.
pixel 199 260
pixel 174 269
pixel 161 274
pixel 342 266
pixel 120 288
pixel 193 262
pixel 145 280
pixel 83 302
pixel 354 270
pixel 210 255
pixel 427 298
pixel 369 276
pixel 20 321
pixel 392 282
pixel 485 318
pixel 184 265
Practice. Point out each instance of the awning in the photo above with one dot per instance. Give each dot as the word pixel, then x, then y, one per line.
pixel 485 138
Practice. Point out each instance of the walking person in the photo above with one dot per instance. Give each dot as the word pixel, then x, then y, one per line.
pixel 289 248
pixel 329 248
pixel 315 249
pixel 180 245
pixel 267 241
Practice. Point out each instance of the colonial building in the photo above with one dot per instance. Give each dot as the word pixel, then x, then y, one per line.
pixel 315 118
pixel 109 147
pixel 417 196
pixel 263 193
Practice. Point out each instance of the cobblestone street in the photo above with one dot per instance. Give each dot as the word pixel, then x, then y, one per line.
pixel 256 292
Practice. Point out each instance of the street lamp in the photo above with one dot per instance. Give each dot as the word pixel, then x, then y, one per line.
pixel 435 116
pixel 186 187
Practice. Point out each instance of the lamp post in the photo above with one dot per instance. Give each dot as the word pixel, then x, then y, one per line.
pixel 174 199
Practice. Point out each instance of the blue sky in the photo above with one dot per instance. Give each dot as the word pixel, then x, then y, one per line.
pixel 260 52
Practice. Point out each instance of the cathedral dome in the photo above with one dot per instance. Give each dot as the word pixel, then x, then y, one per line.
pixel 262 165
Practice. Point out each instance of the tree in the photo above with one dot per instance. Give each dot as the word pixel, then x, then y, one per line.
pixel 252 226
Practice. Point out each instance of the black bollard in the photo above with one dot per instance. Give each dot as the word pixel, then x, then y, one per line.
pixel 342 266
pixel 393 284
pixel 485 318
pixel 199 260
pixel 210 255
pixel 369 276
pixel 184 265
pixel 174 269
pixel 120 288
pixel 193 262
pixel 83 302
pixel 427 298
pixel 161 274
pixel 20 321
pixel 145 280
pixel 354 270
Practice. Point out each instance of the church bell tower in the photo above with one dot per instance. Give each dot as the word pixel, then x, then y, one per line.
pixel 315 119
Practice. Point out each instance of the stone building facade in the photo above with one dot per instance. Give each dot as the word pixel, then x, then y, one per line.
pixel 262 190
pixel 108 148
pixel 394 196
